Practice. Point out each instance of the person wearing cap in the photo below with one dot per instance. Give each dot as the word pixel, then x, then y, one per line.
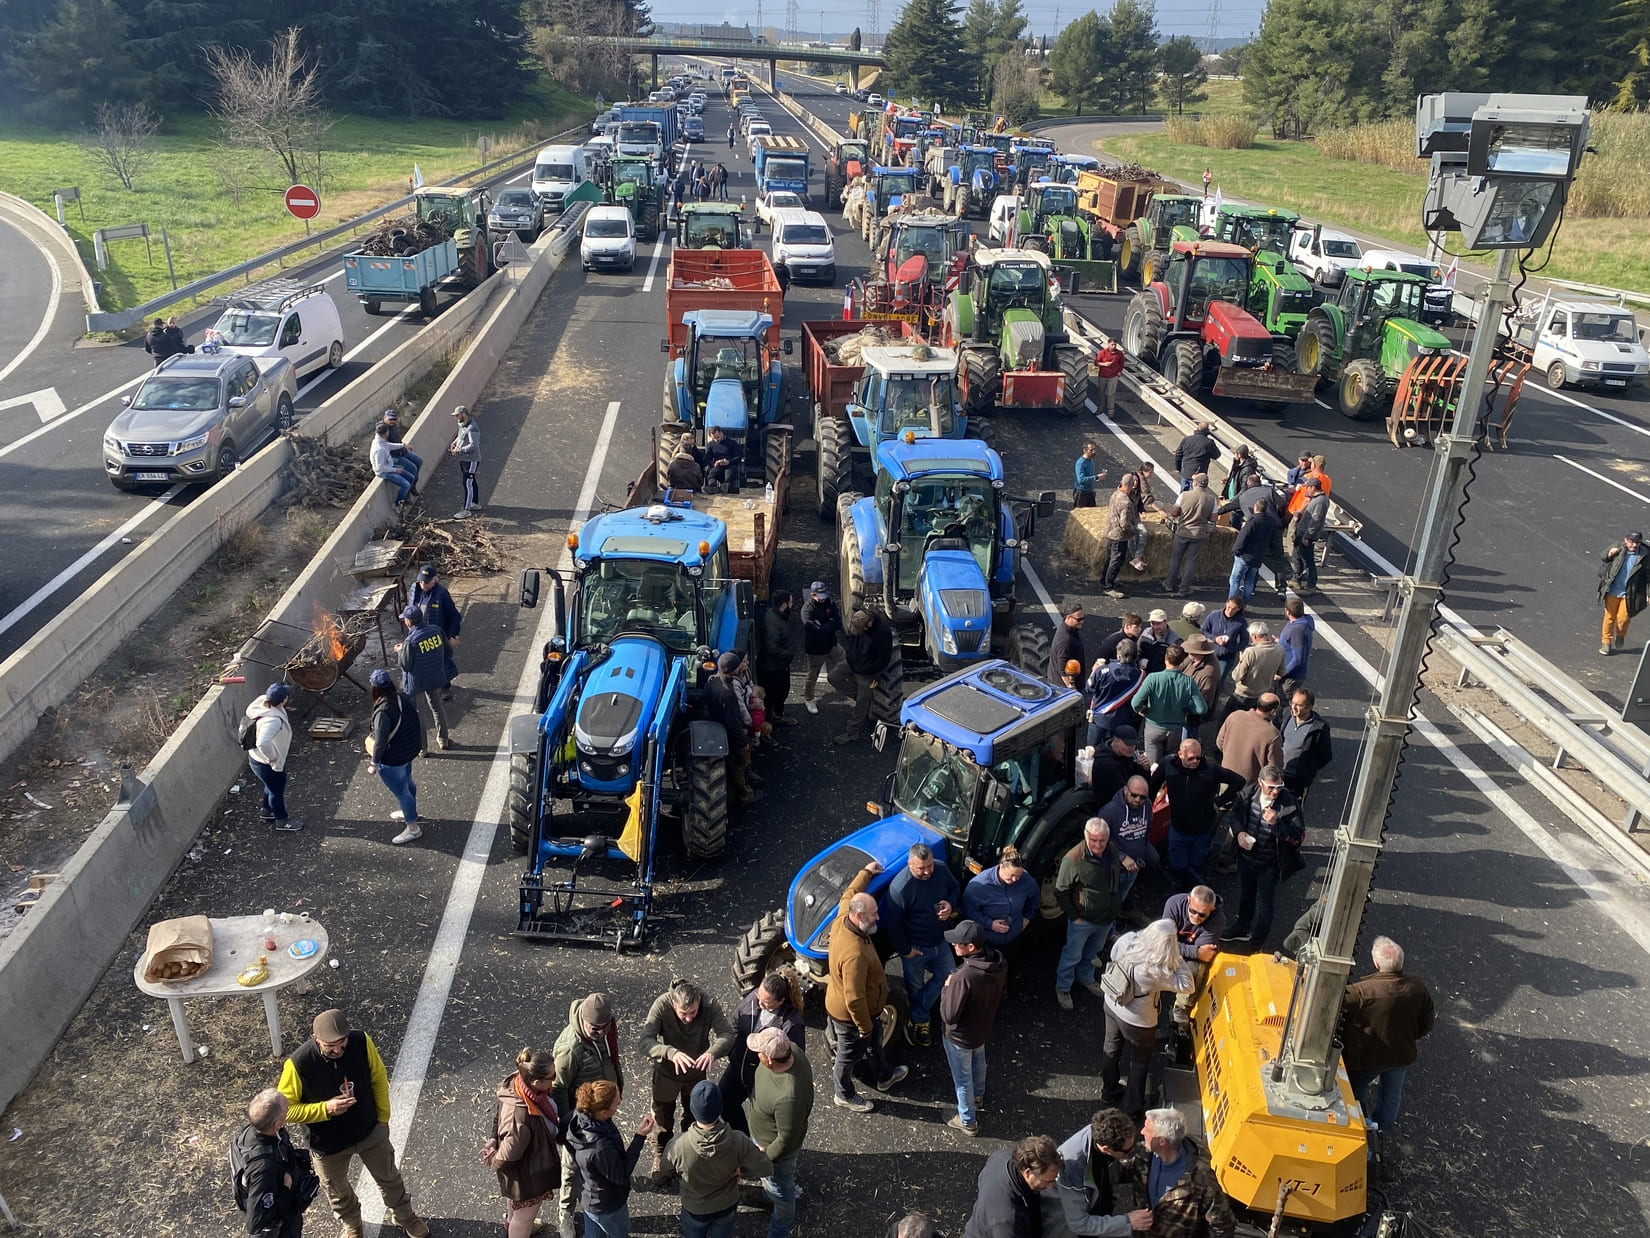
pixel 1622 580
pixel 271 743
pixel 586 1050
pixel 777 1113
pixel 337 1086
pixel 683 471
pixel 1067 645
pixel 381 456
pixel 1194 514
pixel 1155 639
pixel 1200 791
pixel 403 454
pixel 684 1034
pixel 711 1159
pixel 1116 760
pixel 397 737
pixel 821 623
pixel 1122 519
pixel 466 449
pixel 1085 475
pixel 968 1012
pixel 439 608
pixel 856 991
pixel 422 657
pixel 1087 890
pixel 724 704
pixel 1196 452
pixel 1191 619
pixel 1309 531
pixel 920 902
pixel 1168 700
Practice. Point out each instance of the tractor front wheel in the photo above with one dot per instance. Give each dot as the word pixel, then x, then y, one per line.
pixel 1183 365
pixel 1315 349
pixel 763 950
pixel 1361 390
pixel 1073 363
pixel 982 375
pixel 523 791
pixel 1033 651
pixel 705 823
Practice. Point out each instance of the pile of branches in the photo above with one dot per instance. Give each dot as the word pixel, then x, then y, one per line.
pixel 323 475
pixel 1129 172
pixel 405 234
pixel 353 631
pixel 849 349
pixel 456 547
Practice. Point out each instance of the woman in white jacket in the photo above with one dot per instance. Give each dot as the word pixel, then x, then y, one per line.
pixel 1151 960
pixel 271 741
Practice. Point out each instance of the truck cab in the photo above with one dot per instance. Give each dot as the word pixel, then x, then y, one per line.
pixel 1585 343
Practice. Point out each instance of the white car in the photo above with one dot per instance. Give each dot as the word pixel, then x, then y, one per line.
pixel 609 239
pixel 755 132
pixel 841 89
pixel 1005 214
pixel 802 241
pixel 1324 256
pixel 875 101
pixel 778 200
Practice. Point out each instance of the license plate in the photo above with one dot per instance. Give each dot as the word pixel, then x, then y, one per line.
pixel 1615 382
pixel 148 476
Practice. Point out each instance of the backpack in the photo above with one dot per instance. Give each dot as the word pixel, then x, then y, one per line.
pixel 249 734
pixel 1118 982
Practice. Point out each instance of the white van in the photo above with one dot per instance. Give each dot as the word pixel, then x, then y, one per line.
pixel 609 239
pixel 1324 256
pixel 284 318
pixel 556 173
pixel 802 241
pixel 1005 214
pixel 1585 343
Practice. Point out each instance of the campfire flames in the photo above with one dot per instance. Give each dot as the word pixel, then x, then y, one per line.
pixel 329 637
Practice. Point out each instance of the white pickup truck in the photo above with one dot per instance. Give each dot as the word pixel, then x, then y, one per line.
pixel 1585 343
pixel 1324 256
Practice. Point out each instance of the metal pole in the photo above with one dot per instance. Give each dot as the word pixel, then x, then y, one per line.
pixel 1326 960
pixel 172 275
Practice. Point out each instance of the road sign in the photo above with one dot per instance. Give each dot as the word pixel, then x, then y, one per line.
pixel 303 202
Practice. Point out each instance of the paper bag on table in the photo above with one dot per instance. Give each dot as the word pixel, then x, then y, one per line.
pixel 178 949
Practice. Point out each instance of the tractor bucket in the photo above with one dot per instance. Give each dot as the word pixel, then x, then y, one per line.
pixel 1267 384
pixel 1033 389
pixel 1429 388
pixel 1085 275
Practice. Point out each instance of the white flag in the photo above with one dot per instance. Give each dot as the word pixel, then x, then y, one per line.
pixel 418 177
pixel 1454 269
pixel 1217 199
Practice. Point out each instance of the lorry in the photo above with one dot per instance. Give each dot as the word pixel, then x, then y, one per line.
pixel 846 162
pixel 612 749
pixel 1323 255
pixel 1189 324
pixel 634 135
pixel 782 163
pixel 1005 319
pixel 1112 200
pixel 631 181
pixel 712 225
pixel 1584 343
pixel 732 279
pixel 449 242
pixel 727 374
pixel 1049 221
pixel 980 767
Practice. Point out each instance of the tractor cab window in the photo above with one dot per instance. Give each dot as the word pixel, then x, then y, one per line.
pixel 725 358
pixel 1270 233
pixel 854 150
pixel 1352 293
pixel 946 509
pixel 638 596
pixel 978 161
pixel 1225 279
pixel 936 785
pixel 1395 299
pixel 906 405
pixel 870 390
pixel 1005 814
pixel 1177 213
pixel 1060 201
pixel 930 242
pixel 708 231
pixel 1016 281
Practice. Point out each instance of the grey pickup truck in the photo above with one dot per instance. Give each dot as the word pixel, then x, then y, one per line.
pixel 196 417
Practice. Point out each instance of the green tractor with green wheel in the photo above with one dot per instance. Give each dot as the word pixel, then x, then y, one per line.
pixel 632 183
pixel 1366 339
pixel 1144 250
pixel 1280 296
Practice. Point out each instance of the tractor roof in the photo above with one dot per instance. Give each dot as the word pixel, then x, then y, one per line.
pixel 981 150
pixel 1370 276
pixel 926 219
pixel 957 457
pixel 711 208
pixel 1255 212
pixel 903 359
pixel 727 323
pixel 1077 161
pixel 994 711
pixel 1211 249
pixel 882 171
pixel 667 533
pixel 989 258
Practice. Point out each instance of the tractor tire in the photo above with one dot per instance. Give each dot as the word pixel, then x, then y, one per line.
pixel 373 306
pixel 1036 244
pixel 1556 376
pixel 664 448
pixel 833 190
pixel 1128 259
pixel 1315 349
pixel 851 572
pixel 1152 267
pixel 1073 362
pixel 763 950
pixel 648 229
pixel 776 456
pixel 836 464
pixel 1143 328
pixel 984 375
pixel 1183 365
pixel 668 399
pixel 896 1012
pixel 519 800
pixel 472 267
pixel 705 823
pixel 981 428
pixel 888 692
pixel 1361 390
pixel 1034 644
pixel 1283 355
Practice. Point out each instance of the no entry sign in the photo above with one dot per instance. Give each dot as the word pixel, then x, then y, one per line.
pixel 303 202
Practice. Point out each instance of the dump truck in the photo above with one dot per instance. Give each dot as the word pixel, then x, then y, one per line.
pixel 632 182
pixel 712 225
pixel 782 163
pixel 1049 221
pixel 734 279
pixel 450 244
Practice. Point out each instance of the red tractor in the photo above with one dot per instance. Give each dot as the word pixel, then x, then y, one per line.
pixel 845 164
pixel 1192 320
pixel 922 254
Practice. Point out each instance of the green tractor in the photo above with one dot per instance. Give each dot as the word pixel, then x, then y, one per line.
pixel 1280 296
pixel 462 212
pixel 1144 250
pixel 712 225
pixel 1004 319
pixel 631 183
pixel 1050 222
pixel 1366 339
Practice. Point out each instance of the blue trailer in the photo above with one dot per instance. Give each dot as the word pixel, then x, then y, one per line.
pixel 410 273
pixel 634 138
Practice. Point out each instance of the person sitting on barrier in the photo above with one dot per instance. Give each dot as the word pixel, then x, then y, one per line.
pixel 384 465
pixel 405 458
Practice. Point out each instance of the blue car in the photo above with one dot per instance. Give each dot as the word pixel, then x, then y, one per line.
pixel 693 129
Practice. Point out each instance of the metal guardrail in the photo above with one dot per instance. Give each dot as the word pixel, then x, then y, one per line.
pixel 121 320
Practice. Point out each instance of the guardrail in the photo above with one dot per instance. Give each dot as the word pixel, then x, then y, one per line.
pixel 121 320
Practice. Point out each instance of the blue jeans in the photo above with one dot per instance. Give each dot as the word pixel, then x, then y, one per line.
pixel 1241 583
pixel 1389 1090
pixel 615 1224
pixel 1306 564
pixel 720 1226
pixel 1257 897
pixel 399 779
pixel 779 1186
pixel 407 462
pixel 274 783
pixel 1083 942
pixel 1125 882
pixel 936 963
pixel 967 1076
pixel 402 481
pixel 1187 855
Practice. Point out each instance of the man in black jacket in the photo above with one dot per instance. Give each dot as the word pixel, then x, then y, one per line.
pixel 1067 645
pixel 440 609
pixel 271 1173
pixel 868 652
pixel 1249 548
pixel 1116 760
pixel 1266 820
pixel 775 651
pixel 968 1011
pixel 821 622
pixel 156 344
pixel 1008 1205
pixel 1197 451
pixel 1199 791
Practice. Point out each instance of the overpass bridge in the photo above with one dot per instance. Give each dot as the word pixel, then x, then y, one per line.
pixel 754 48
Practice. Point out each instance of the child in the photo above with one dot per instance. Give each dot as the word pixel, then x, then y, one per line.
pixel 758 705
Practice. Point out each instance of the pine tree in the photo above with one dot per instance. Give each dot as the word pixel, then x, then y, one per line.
pixel 1297 70
pixel 924 56
pixel 1180 62
pixel 1131 67
pixel 1629 25
pixel 1076 62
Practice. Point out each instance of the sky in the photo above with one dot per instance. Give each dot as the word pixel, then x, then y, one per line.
pixel 1238 18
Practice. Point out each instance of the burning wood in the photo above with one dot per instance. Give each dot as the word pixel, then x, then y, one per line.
pixel 334 644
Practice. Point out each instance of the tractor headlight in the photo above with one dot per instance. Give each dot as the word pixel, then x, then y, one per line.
pixel 948 642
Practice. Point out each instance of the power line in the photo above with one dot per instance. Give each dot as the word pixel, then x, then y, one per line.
pixel 1213 31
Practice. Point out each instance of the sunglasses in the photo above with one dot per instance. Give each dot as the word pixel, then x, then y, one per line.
pixel 1195 914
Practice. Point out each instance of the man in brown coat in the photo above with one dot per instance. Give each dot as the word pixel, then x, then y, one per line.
pixel 1204 668
pixel 1383 1019
pixel 1257 667
pixel 856 990
pixel 1122 519
pixel 1249 740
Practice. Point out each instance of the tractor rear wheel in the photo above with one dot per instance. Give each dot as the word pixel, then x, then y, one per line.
pixel 1128 259
pixel 763 950
pixel 1361 390
pixel 1283 355
pixel 648 227
pixel 1183 365
pixel 836 464
pixel 1033 650
pixel 664 447
pixel 1315 348
pixel 1036 244
pixel 1152 267
pixel 1143 328
pixel 523 791
pixel 888 692
pixel 982 374
pixel 668 400
pixel 833 190
pixel 705 823
pixel 776 456
pixel 1073 362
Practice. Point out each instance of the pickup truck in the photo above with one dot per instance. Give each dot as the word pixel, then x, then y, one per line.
pixel 196 417
pixel 1585 343
pixel 1324 256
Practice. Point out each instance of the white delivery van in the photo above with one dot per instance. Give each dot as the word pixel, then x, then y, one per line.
pixel 1585 343
pixel 609 239
pixel 283 318
pixel 802 241
pixel 1005 214
pixel 1324 256
pixel 557 172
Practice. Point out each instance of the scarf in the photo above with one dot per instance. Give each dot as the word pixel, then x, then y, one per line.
pixel 537 1103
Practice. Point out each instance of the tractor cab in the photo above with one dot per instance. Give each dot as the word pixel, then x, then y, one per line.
pixel 938 238
pixel 906 389
pixel 1045 201
pixel 890 187
pixel 726 378
pixel 973 161
pixel 1012 278
pixel 1201 273
pixel 1171 212
pixel 459 211
pixel 711 225
pixel 1266 231
pixel 1030 161
pixel 854 158
pixel 1065 169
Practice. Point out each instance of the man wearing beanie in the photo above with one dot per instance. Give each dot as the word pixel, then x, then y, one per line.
pixel 712 1158
pixel 271 740
pixel 586 1050
pixel 337 1086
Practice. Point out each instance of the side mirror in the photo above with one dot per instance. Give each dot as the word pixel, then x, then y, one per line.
pixel 664 345
pixel 787 347
pixel 996 795
pixel 237 401
pixel 1045 505
pixel 530 589
pixel 126 400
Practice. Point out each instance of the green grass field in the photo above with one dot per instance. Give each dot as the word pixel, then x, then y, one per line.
pixel 365 163
pixel 1378 201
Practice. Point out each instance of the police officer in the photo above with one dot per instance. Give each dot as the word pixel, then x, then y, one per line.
pixel 278 1188
pixel 428 592
pixel 423 660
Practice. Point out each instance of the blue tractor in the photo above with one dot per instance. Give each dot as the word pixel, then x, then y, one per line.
pixel 613 747
pixel 886 190
pixel 974 182
pixel 937 548
pixel 727 374
pixel 986 759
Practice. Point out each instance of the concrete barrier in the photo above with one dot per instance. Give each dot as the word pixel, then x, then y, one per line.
pixel 27 215
pixel 53 959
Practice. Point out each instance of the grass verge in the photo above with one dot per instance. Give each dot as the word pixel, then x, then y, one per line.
pixel 1380 201
pixel 366 163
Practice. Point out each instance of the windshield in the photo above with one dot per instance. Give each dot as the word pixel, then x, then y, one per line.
pixel 607 227
pixel 240 329
pixel 718 230
pixel 199 395
pixel 1611 328
pixel 633 174
pixel 936 785
pixel 1342 249
pixel 854 150
pixel 514 200
pixel 931 242
pixel 979 161
pixel 634 595
pixel 1059 201
pixel 1270 232
pixel 638 133
pixel 723 358
pixel 553 172
pixel 1016 279
pixel 1177 213
pixel 946 507
pixel 1225 278
pixel 906 400
pixel 807 234
pixel 785 169
pixel 783 198
pixel 890 184
pixel 1401 298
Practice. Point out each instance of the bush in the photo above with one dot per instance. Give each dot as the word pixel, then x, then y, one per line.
pixel 1220 132
pixel 1389 143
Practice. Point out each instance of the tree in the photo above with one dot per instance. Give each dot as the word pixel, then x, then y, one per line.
pixel 1180 62
pixel 574 41
pixel 1630 26
pixel 1016 85
pixel 1075 64
pixel 273 106
pixel 1231 60
pixel 923 56
pixel 79 58
pixel 1131 69
pixel 854 40
pixel 121 139
pixel 1298 70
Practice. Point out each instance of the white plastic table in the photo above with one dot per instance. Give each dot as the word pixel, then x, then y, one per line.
pixel 237 941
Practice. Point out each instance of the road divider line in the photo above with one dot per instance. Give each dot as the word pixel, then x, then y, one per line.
pixel 355 352
pixel 1585 407
pixel 49 316
pixel 1608 481
pixel 412 1063
pixel 51 425
pixel 653 266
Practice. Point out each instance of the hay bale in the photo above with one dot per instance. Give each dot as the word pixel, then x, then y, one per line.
pixel 1084 544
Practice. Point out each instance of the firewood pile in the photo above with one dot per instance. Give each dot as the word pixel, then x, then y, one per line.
pixel 1129 172
pixel 405 234
pixel 849 349
pixel 456 547
pixel 321 474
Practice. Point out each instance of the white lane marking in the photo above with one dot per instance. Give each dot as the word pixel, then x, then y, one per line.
pixel 1037 585
pixel 46 402
pixel 322 375
pixel 1601 477
pixel 1321 404
pixel 79 565
pixel 520 176
pixel 51 313
pixel 412 1063
pixel 1585 407
pixel 653 266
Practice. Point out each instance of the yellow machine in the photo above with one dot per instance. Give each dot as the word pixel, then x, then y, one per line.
pixel 1261 1140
